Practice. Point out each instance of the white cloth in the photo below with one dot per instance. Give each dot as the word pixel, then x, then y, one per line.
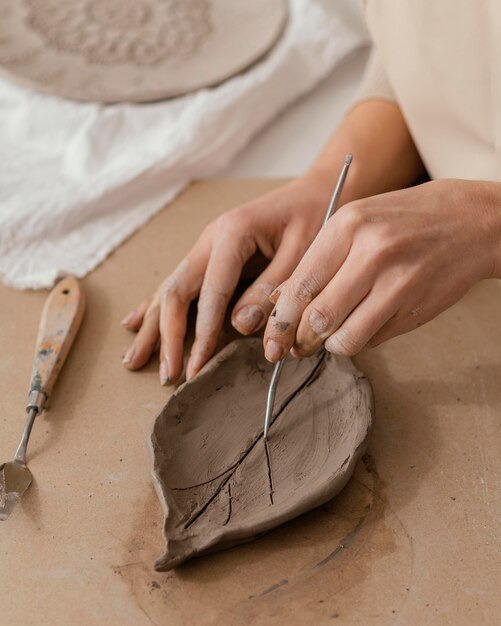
pixel 76 179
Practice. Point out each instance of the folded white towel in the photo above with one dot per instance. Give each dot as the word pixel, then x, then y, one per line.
pixel 76 179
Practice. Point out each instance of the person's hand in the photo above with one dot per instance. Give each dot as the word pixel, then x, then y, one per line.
pixel 384 265
pixel 278 227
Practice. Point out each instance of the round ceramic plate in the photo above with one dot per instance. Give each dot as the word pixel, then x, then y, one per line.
pixel 133 50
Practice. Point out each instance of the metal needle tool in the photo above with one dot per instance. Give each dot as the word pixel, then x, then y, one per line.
pixel 333 204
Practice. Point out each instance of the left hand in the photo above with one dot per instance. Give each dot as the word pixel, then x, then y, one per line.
pixel 385 265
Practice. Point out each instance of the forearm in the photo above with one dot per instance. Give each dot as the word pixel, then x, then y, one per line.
pixel 385 157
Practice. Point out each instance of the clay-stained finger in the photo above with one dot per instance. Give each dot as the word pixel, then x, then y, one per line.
pixel 252 311
pixel 320 263
pixel 362 324
pixel 254 306
pixel 176 294
pixel 146 339
pixel 229 254
pixel 325 313
pixel 134 319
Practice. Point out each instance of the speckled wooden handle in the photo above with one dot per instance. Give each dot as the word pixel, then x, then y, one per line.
pixel 59 324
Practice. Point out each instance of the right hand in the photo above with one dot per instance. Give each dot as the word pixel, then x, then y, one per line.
pixel 280 226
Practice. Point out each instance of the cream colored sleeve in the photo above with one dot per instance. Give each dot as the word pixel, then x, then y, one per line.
pixel 375 84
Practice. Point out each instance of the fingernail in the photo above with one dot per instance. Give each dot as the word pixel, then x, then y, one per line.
pixel 249 317
pixel 333 345
pixel 318 323
pixel 336 343
pixel 127 318
pixel 273 351
pixel 273 297
pixel 129 355
pixel 164 373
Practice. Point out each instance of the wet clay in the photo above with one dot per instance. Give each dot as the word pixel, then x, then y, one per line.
pixel 219 483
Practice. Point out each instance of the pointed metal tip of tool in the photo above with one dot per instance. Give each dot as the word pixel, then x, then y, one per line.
pixel 348 159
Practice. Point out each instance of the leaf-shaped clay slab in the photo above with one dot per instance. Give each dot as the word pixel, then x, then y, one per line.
pixel 218 483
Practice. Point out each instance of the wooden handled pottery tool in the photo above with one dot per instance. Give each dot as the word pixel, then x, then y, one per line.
pixel 333 204
pixel 59 324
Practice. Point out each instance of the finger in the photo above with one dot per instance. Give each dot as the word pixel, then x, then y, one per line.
pixel 229 254
pixel 362 324
pixel 410 317
pixel 325 314
pixel 134 319
pixel 254 307
pixel 177 293
pixel 275 295
pixel 320 263
pixel 146 339
pixel 395 327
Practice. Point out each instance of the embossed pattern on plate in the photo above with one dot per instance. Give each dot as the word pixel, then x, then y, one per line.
pixel 133 50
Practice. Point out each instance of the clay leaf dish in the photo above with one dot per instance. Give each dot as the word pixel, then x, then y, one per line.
pixel 218 482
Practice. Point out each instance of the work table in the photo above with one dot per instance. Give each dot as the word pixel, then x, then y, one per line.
pixel 412 539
